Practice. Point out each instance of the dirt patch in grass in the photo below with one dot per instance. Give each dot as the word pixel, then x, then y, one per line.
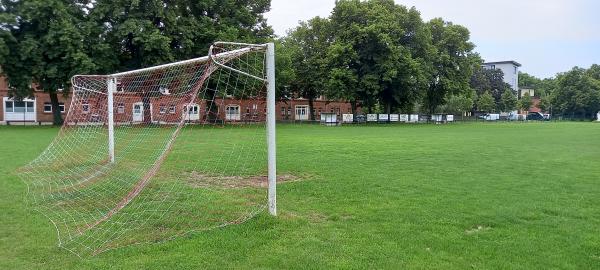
pixel 199 180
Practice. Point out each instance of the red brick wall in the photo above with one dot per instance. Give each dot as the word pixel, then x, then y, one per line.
pixel 250 110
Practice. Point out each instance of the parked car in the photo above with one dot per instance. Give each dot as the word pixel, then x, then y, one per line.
pixel 490 117
pixel 536 116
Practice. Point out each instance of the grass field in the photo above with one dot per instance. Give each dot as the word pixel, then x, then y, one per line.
pixel 468 196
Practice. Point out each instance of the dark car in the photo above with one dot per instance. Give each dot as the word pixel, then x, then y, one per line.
pixel 536 116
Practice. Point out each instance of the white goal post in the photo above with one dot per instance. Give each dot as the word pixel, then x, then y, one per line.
pixel 150 154
pixel 271 118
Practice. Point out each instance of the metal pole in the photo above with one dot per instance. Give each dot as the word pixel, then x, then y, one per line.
pixel 272 151
pixel 112 87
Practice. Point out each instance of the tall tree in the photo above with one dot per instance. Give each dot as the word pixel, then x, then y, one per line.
pixel 489 80
pixel 525 103
pixel 45 46
pixel 307 46
pixel 485 103
pixel 451 62
pixel 508 101
pixel 529 81
pixel 144 33
pixel 459 104
pixel 378 51
pixel 577 92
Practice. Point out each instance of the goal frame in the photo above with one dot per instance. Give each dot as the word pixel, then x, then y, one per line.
pixel 269 49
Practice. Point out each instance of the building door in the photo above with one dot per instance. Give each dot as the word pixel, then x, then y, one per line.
pixel 232 113
pixel 302 112
pixel 138 112
pixel 193 114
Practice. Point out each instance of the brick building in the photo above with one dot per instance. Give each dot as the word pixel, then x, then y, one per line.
pixel 129 108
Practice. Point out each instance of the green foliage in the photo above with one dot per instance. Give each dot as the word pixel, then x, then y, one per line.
pixel 451 60
pixel 381 54
pixel 578 91
pixel 489 80
pixel 306 46
pixel 149 32
pixel 43 43
pixel 459 104
pixel 525 102
pixel 528 81
pixel 486 103
pixel 373 58
pixel 508 101
pixel 46 42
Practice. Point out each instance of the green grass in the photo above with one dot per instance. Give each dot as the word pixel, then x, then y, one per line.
pixel 470 196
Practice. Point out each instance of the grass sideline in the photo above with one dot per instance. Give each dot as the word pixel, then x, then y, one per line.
pixel 481 196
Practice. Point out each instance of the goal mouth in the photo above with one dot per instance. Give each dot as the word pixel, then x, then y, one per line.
pixel 116 173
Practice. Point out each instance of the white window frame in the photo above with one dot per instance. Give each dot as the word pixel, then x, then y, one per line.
pixel 85 107
pixel 29 113
pixel 120 108
pixel 60 105
pixel 301 116
pixel 233 116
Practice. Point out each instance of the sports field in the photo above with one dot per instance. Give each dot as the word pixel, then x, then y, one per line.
pixel 463 196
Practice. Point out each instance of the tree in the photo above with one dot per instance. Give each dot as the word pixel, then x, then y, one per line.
pixel 545 104
pixel 45 47
pixel 49 41
pixel 528 81
pixel 489 80
pixel 144 33
pixel 307 46
pixel 451 64
pixel 525 103
pixel 378 53
pixel 577 92
pixel 459 104
pixel 486 103
pixel 508 101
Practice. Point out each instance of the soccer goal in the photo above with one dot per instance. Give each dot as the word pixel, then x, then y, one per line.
pixel 151 154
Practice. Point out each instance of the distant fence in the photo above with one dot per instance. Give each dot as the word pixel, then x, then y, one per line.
pixel 372 119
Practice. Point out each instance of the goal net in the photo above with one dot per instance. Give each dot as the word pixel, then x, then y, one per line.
pixel 150 154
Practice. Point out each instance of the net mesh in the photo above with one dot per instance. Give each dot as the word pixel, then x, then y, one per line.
pixel 189 153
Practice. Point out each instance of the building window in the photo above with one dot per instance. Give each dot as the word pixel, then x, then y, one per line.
pixel 85 107
pixel 120 88
pixel 232 113
pixel 8 106
pixel 11 106
pixel 162 109
pixel 289 112
pixel 120 108
pixel 192 110
pixel 282 111
pixel 172 109
pixel 48 107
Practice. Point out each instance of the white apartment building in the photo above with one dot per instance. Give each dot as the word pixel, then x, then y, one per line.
pixel 510 69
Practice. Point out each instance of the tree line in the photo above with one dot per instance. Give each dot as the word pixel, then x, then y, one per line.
pixel 374 54
pixel 574 93
pixel 43 43
pixel 379 55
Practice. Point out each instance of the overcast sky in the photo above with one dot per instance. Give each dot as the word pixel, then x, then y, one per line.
pixel 546 36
